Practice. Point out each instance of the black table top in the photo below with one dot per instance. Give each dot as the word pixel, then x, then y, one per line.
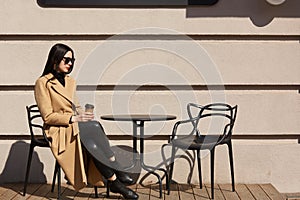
pixel 138 117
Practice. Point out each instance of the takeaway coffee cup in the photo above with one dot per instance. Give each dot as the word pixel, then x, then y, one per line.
pixel 89 108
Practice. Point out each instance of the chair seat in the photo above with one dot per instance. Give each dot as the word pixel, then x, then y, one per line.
pixel 193 142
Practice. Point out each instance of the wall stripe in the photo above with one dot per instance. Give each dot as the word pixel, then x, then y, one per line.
pixel 87 37
pixel 162 87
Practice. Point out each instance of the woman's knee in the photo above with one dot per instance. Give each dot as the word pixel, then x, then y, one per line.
pixel 92 125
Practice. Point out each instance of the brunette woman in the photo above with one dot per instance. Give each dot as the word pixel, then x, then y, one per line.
pixel 61 112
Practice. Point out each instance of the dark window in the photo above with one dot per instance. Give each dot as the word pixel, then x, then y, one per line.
pixel 120 3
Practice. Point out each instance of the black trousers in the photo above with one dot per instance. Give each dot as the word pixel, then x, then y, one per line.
pixel 97 147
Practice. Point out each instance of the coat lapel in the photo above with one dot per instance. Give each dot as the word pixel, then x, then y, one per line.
pixel 67 92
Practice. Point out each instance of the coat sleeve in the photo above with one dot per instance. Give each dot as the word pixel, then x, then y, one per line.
pixel 43 100
pixel 77 105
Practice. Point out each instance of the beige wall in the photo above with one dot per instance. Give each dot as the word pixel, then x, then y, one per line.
pixel 254 46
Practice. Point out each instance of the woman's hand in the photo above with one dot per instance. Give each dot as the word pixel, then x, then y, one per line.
pixel 84 117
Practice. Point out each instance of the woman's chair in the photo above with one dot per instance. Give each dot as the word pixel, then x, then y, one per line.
pixel 38 139
pixel 212 126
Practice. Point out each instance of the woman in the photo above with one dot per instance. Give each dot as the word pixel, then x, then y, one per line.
pixel 61 112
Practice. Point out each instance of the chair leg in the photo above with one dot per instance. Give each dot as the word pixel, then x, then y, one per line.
pixel 167 182
pixel 199 168
pixel 28 168
pixel 96 192
pixel 57 172
pixel 172 164
pixel 108 188
pixel 56 168
pixel 58 182
pixel 212 171
pixel 231 165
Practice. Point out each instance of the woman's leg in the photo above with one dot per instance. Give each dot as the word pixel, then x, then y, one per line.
pixel 106 171
pixel 105 145
pixel 97 144
pixel 114 184
pixel 109 168
pixel 93 136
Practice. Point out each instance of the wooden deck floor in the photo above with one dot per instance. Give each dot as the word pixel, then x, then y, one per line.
pixel 149 192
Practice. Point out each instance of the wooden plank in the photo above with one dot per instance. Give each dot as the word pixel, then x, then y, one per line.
pixel 50 195
pixel 53 195
pixel 87 193
pixel 185 191
pixel 217 192
pixel 243 192
pixel 271 192
pixel 143 191
pixel 18 190
pixel 31 188
pixel 13 191
pixel 68 193
pixel 3 189
pixel 154 191
pixel 258 192
pixel 19 187
pixel 227 192
pixel 174 194
pixel 200 194
pixel 41 192
pixel 150 192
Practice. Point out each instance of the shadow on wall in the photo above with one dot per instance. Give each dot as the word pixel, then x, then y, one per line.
pixel 260 12
pixel 16 163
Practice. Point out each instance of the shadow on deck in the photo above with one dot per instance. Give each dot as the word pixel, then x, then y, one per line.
pixel 178 192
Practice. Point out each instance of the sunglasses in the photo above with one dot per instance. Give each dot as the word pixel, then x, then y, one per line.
pixel 67 60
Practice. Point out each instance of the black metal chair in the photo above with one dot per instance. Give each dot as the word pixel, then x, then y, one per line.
pixel 219 119
pixel 38 139
pixel 41 140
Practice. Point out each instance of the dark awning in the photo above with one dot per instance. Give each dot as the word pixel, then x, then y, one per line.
pixel 116 3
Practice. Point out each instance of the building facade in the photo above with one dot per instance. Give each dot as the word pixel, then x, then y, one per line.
pixel 155 59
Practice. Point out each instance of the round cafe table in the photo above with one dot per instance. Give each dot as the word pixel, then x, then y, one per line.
pixel 138 121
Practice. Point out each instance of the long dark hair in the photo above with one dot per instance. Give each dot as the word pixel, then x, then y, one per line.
pixel 55 56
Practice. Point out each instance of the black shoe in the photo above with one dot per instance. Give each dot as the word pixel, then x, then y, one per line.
pixel 122 176
pixel 117 187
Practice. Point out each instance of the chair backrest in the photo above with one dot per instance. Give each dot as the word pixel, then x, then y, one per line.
pixel 214 119
pixel 35 122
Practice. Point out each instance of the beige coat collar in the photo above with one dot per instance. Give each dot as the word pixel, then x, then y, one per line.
pixel 67 91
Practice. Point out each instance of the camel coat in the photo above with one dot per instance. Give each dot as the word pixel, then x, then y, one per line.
pixel 57 104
